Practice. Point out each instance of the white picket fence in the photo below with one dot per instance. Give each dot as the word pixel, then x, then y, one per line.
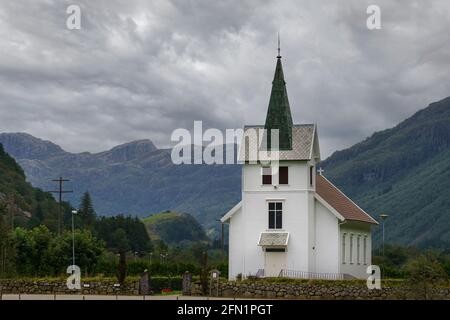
pixel 295 274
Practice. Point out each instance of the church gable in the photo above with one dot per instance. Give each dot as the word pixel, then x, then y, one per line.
pixel 340 202
pixel 236 209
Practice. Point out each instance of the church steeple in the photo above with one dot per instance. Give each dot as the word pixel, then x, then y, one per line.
pixel 279 112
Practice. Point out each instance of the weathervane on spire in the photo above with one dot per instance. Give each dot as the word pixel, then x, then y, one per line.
pixel 279 56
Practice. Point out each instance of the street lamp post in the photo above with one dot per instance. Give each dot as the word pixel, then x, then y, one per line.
pixel 383 218
pixel 73 237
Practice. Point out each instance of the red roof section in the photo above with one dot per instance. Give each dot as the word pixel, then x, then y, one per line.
pixel 340 202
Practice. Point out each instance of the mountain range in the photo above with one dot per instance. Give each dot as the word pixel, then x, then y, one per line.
pixel 134 178
pixel 403 172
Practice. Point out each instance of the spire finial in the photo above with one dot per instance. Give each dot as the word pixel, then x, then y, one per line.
pixel 279 56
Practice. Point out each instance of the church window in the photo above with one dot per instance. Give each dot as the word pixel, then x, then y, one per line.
pixel 311 175
pixel 365 249
pixel 266 175
pixel 343 247
pixel 275 215
pixel 283 175
pixel 351 249
pixel 358 248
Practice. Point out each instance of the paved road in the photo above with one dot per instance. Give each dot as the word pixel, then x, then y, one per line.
pixel 101 297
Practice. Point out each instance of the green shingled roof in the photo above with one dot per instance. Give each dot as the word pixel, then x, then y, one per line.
pixel 279 113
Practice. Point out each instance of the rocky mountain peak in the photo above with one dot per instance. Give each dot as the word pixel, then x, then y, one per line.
pixel 22 145
pixel 129 151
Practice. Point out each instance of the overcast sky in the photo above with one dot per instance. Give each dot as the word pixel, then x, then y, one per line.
pixel 140 69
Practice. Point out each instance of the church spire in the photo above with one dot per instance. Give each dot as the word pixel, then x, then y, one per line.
pixel 279 50
pixel 279 112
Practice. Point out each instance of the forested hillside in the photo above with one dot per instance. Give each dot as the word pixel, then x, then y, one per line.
pixel 23 205
pixel 405 173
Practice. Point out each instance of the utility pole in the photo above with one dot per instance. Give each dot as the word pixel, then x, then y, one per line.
pixel 60 192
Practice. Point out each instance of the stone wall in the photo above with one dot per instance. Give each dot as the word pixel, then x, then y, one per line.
pixel 58 286
pixel 327 290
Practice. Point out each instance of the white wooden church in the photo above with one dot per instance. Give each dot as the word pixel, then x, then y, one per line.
pixel 294 223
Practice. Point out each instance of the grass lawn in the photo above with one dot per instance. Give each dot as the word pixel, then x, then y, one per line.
pixel 172 293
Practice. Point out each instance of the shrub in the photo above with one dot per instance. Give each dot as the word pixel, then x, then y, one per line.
pixel 424 273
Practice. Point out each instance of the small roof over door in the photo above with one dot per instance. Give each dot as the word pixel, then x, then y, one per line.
pixel 273 239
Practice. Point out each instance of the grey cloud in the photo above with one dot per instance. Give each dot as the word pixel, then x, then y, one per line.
pixel 140 69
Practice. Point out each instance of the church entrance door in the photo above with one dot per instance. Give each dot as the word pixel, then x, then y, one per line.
pixel 274 262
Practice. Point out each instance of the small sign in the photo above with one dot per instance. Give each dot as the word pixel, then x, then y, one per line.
pixel 215 275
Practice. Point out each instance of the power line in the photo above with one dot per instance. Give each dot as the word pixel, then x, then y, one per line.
pixel 60 192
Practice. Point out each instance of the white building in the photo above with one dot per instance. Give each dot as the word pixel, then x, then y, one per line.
pixel 294 223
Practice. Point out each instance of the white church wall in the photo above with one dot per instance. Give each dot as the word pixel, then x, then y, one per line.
pixel 312 219
pixel 236 238
pixel 327 240
pixel 295 221
pixel 297 198
pixel 354 258
pixel 254 221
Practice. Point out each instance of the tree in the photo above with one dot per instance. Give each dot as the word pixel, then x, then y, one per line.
pixel 121 245
pixel 122 268
pixel 135 232
pixel 86 212
pixel 6 249
pixel 200 252
pixel 37 217
pixel 39 214
pixel 40 253
pixel 88 250
pixel 31 247
pixel 424 273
